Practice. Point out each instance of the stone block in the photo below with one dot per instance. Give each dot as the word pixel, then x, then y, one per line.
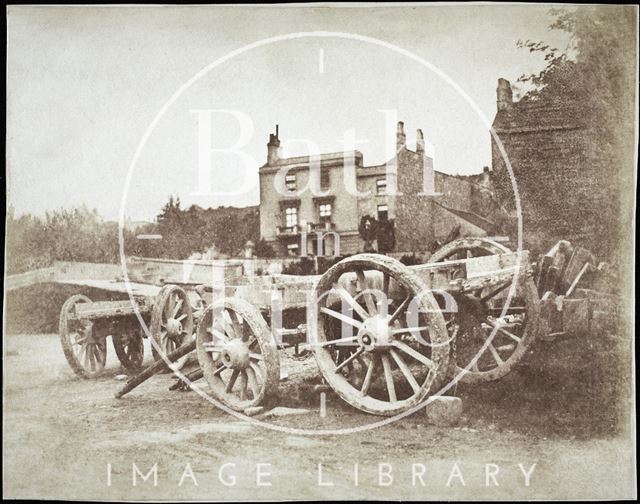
pixel 444 411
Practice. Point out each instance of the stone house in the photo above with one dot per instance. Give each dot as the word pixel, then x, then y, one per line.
pixel 311 206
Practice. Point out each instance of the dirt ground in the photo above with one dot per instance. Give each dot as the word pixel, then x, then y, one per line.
pixel 69 438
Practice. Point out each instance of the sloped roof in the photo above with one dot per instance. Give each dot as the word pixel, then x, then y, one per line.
pixel 475 219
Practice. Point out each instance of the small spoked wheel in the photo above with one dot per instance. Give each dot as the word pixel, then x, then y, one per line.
pixel 129 347
pixel 84 347
pixel 479 315
pixel 237 354
pixel 171 320
pixel 378 335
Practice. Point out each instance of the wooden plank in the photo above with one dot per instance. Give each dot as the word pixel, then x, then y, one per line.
pixel 108 309
pixel 575 265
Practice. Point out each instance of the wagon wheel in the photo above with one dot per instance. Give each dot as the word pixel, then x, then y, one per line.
pixel 237 354
pixel 171 321
pixel 478 313
pixel 465 248
pixel 84 348
pixel 381 357
pixel 129 347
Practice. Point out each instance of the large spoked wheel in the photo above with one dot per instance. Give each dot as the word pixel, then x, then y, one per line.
pixel 480 315
pixel 84 347
pixel 237 354
pixel 379 337
pixel 129 347
pixel 171 320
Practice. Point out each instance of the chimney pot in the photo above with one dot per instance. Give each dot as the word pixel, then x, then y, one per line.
pixel 401 138
pixel 273 147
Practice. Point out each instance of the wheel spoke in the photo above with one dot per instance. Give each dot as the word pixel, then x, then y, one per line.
pixel 402 330
pixel 336 341
pixel 405 370
pixel 355 323
pixel 414 353
pixel 228 327
pixel 238 326
pixel 499 327
pixel 168 307
pixel 385 284
pixel 368 298
pixel 257 371
pixel 496 355
pixel 389 378
pixel 400 309
pixel 86 356
pixel 177 307
pixel 349 359
pixel 256 356
pixel 81 353
pixel 243 385
pixel 253 383
pixel 342 292
pixel 92 358
pixel 368 377
pixel 211 347
pixel 232 381
pixel 218 335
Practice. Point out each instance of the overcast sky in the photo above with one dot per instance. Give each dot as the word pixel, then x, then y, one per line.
pixel 84 84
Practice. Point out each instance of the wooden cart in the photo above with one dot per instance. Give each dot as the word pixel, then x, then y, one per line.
pixel 385 335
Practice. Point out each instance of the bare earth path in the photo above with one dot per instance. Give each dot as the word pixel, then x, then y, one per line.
pixel 61 433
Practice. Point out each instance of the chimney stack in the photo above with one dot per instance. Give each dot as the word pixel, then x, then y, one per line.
pixel 273 148
pixel 505 94
pixel 419 142
pixel 401 138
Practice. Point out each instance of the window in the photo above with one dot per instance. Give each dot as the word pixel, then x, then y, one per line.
pixel 325 180
pixel 291 216
pixel 292 249
pixel 383 212
pixel 325 212
pixel 290 182
pixel 381 186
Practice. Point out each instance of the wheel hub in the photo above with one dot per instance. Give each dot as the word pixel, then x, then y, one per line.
pixel 174 328
pixel 235 354
pixel 375 333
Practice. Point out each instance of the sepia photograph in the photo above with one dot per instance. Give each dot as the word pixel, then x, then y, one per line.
pixel 320 251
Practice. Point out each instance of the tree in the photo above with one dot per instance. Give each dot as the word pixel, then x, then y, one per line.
pixel 596 73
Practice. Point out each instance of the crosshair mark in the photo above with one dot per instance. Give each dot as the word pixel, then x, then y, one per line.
pixel 321 60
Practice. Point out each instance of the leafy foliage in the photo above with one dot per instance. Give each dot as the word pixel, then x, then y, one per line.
pixel 80 234
pixel 595 73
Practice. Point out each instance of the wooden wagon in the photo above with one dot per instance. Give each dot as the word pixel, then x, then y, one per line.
pixel 385 336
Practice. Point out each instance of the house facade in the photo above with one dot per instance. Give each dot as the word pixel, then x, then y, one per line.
pixel 316 205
